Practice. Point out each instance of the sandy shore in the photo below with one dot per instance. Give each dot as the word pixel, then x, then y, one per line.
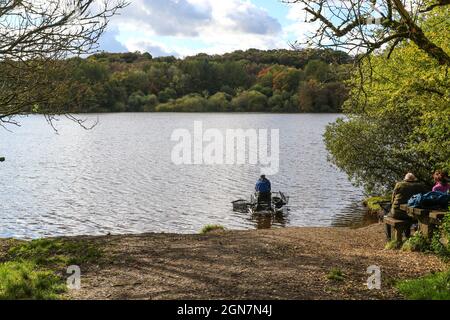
pixel 290 263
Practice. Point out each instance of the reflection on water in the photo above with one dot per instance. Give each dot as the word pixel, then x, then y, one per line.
pixel 119 177
pixel 354 216
pixel 267 221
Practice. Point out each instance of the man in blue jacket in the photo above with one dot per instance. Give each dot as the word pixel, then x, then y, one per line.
pixel 263 185
pixel 264 190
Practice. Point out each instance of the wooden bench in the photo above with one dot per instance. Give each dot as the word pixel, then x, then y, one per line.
pixel 437 215
pixel 428 219
pixel 398 227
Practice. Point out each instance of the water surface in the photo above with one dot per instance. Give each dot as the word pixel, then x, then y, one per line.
pixel 119 177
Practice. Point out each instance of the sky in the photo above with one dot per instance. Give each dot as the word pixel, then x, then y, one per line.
pixel 187 27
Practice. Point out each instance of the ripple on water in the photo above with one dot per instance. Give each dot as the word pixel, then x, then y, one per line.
pixel 119 178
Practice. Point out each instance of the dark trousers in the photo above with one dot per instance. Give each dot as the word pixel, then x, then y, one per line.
pixel 264 198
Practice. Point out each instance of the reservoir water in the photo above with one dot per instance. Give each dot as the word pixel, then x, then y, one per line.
pixel 119 177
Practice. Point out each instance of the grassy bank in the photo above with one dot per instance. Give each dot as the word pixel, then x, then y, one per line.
pixel 435 286
pixel 36 269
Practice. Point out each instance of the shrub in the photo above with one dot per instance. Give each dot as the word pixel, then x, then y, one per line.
pixel 210 228
pixel 336 275
pixel 250 101
pixel 392 245
pixel 219 102
pixel 416 243
pixel 189 103
pixel 431 287
pixel 441 237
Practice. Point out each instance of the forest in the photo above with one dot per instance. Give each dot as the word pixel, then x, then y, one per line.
pixel 288 81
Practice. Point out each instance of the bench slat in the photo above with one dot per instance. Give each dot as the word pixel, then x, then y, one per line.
pixel 396 223
pixel 437 214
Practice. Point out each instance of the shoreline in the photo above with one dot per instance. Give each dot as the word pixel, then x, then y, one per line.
pixel 286 263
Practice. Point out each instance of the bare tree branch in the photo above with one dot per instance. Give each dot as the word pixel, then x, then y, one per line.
pixel 364 26
pixel 35 38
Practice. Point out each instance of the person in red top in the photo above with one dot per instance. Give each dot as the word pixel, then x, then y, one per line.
pixel 441 180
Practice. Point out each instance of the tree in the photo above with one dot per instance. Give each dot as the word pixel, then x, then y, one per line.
pixel 166 95
pixel 287 80
pixel 33 35
pixel 219 102
pixel 402 121
pixel 117 82
pixel 316 69
pixel 150 102
pixel 364 26
pixel 189 103
pixel 251 101
pixel 276 103
pixel 308 91
pixel 136 80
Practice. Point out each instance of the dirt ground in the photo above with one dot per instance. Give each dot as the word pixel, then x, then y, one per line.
pixel 291 263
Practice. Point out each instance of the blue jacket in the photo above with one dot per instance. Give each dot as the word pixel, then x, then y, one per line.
pixel 263 186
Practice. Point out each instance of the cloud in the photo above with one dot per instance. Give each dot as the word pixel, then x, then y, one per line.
pixel 167 17
pixel 155 49
pixel 299 29
pixel 187 27
pixel 251 19
pixel 190 18
pixel 109 43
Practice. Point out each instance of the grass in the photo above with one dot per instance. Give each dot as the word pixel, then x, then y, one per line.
pixel 336 275
pixel 30 270
pixel 393 245
pixel 23 280
pixel 416 243
pixel 53 252
pixel 210 228
pixel 435 286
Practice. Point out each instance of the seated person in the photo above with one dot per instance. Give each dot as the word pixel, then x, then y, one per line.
pixel 403 191
pixel 263 189
pixel 441 182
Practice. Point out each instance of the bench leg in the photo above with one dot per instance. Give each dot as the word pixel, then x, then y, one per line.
pixel 426 230
pixel 397 234
pixel 388 231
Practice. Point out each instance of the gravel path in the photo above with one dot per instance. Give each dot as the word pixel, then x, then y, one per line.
pixel 291 263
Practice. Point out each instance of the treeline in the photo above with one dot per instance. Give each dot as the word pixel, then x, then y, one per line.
pixel 242 81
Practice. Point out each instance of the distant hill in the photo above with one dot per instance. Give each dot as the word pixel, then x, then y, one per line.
pixel 250 81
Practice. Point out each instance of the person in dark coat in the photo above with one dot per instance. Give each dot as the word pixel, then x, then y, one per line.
pixel 403 191
pixel 263 190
